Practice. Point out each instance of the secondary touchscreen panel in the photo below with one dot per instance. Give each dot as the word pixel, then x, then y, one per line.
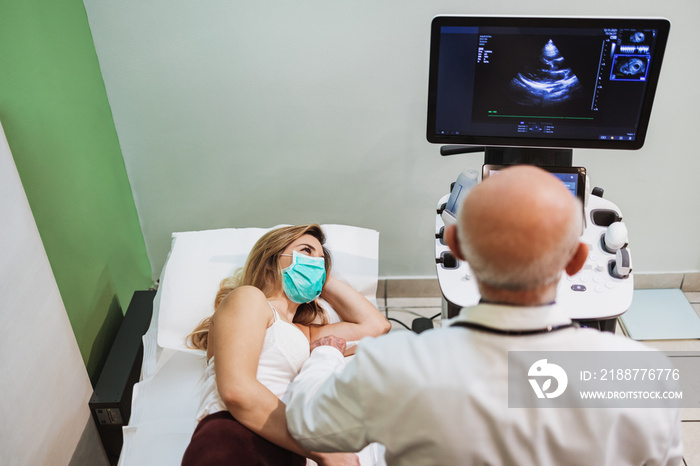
pixel 544 82
pixel 574 178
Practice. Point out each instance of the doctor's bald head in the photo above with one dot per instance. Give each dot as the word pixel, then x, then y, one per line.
pixel 518 230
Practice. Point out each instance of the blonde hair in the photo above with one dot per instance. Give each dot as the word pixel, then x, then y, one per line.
pixel 262 270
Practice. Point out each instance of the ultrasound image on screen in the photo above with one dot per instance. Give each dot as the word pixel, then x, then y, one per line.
pixel 548 83
pixel 636 41
pixel 537 76
pixel 631 58
pixel 629 68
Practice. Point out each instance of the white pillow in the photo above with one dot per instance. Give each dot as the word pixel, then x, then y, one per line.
pixel 199 260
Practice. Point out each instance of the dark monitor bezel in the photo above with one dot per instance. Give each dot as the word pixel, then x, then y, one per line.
pixel 663 26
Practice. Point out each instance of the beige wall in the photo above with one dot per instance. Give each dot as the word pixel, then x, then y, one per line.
pixel 44 387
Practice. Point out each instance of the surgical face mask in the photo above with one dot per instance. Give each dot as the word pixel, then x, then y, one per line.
pixel 303 280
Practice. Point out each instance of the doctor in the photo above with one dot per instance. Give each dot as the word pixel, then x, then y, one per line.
pixel 441 397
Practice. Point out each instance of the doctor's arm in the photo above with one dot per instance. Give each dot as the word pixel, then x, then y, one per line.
pixel 324 405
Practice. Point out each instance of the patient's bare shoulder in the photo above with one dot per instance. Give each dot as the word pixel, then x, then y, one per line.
pixel 244 293
pixel 245 300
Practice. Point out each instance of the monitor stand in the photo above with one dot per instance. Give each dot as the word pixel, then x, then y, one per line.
pixel 528 155
pixel 516 155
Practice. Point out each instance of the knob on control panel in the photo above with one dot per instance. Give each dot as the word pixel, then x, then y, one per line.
pixel 441 235
pixel 622 266
pixel 448 260
pixel 615 237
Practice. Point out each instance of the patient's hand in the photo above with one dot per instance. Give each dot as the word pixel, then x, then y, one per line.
pixel 336 459
pixel 330 340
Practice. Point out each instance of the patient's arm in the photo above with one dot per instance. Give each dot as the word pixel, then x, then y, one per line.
pixel 360 317
pixel 236 339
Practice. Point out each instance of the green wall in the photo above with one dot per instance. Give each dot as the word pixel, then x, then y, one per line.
pixel 57 119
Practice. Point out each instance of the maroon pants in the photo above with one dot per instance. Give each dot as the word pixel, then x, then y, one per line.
pixel 219 439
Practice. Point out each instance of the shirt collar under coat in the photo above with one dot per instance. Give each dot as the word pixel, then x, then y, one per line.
pixel 507 317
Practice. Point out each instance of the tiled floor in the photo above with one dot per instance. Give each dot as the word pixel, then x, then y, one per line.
pixel 402 312
pixel 690 416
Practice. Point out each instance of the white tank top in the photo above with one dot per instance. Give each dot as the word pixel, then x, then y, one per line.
pixel 285 349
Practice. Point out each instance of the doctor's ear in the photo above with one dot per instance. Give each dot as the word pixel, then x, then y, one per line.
pixel 452 241
pixel 578 260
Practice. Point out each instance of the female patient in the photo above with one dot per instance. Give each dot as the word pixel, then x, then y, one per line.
pixel 256 342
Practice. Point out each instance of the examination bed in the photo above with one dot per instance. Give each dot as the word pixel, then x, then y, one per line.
pixel 165 399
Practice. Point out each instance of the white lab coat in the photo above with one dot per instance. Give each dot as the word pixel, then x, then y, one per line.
pixel 441 398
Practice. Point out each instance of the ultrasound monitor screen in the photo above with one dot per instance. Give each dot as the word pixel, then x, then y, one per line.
pixel 543 82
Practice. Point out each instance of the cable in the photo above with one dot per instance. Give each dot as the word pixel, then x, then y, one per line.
pixel 407 311
pixel 397 320
pixel 436 315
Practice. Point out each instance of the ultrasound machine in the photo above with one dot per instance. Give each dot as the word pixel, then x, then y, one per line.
pixel 528 90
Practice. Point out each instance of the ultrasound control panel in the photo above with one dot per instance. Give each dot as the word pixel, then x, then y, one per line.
pixel 595 296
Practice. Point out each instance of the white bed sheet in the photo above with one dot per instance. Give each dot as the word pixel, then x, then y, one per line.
pixel 166 399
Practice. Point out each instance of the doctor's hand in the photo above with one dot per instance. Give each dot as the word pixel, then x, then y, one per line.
pixel 336 459
pixel 330 340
